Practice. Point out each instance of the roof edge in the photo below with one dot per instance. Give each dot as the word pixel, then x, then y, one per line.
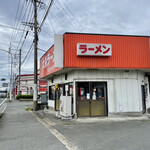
pixel 106 34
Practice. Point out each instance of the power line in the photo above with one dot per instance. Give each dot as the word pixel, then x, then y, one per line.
pixel 3 25
pixel 28 58
pixel 15 34
pixel 50 4
pixel 15 20
pixel 51 24
pixel 47 33
pixel 73 25
pixel 70 15
pixel 26 36
pixel 44 18
pixel 27 54
pixel 56 19
pixel 25 27
pixel 69 11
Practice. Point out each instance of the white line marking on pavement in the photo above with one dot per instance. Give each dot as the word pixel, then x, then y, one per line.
pixel 4 109
pixel 48 124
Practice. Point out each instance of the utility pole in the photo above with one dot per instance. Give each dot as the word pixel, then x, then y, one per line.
pixel 19 70
pixel 36 28
pixel 10 75
pixel 35 56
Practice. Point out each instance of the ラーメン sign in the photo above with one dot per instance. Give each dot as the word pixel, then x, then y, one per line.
pixel 86 49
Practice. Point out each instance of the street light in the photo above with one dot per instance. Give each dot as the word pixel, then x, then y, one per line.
pixel 11 73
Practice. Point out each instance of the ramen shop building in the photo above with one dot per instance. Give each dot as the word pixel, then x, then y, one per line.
pixel 97 75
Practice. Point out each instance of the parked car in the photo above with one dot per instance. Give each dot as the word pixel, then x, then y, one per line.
pixel 3 92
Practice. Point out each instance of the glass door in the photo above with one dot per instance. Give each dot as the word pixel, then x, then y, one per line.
pixel 91 99
pixel 83 99
pixel 98 99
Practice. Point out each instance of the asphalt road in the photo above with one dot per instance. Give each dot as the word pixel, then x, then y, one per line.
pixel 1 100
pixel 20 129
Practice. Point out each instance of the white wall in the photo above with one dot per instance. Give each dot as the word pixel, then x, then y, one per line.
pixel 51 103
pixel 128 95
pixel 123 88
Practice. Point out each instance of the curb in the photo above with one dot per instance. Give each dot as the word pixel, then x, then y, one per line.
pixel 3 106
pixel 2 113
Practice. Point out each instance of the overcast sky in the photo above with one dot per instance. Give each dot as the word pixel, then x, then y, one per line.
pixel 128 17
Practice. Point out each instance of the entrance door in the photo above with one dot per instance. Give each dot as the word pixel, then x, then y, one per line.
pixel 143 99
pixel 83 99
pixel 91 99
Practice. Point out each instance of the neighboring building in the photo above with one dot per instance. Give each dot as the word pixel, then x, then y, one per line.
pixel 4 84
pixel 26 84
pixel 43 86
pixel 97 75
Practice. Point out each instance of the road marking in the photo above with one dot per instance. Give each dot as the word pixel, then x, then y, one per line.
pixel 3 102
pixel 4 109
pixel 48 124
pixel 1 114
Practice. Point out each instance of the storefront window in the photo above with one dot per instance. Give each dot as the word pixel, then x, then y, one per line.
pixel 97 92
pixel 62 90
pixel 91 90
pixel 70 89
pixel 51 93
pixel 83 90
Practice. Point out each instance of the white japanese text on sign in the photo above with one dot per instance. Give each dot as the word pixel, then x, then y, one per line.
pixel 84 49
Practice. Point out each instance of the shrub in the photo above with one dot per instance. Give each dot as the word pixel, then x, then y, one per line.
pixel 24 96
pixel 29 109
pixel 148 110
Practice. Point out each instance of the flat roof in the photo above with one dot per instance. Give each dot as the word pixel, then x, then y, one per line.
pixel 106 34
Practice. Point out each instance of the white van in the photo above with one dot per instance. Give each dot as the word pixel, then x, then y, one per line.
pixel 3 92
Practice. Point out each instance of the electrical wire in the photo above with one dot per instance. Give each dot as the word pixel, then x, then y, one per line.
pixel 69 11
pixel 70 15
pixel 44 18
pixel 72 24
pixel 6 26
pixel 28 9
pixel 18 26
pixel 56 20
pixel 27 53
pixel 30 47
pixel 25 27
pixel 51 25
pixel 15 20
pixel 46 14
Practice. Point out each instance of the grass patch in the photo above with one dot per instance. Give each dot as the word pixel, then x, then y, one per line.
pixel 29 109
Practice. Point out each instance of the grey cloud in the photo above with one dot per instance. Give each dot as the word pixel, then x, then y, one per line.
pixel 94 16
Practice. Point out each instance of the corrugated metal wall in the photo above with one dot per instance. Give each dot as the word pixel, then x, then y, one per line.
pixel 127 52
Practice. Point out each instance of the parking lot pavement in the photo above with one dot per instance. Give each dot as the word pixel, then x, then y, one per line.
pixel 129 133
pixel 42 130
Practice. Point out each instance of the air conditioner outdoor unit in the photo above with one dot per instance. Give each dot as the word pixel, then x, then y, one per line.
pixel 65 107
